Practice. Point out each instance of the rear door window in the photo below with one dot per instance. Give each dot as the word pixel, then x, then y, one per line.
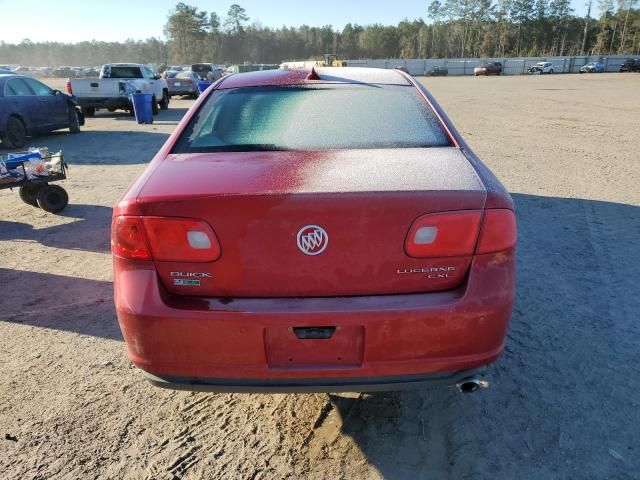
pixel 346 116
pixel 17 87
pixel 40 89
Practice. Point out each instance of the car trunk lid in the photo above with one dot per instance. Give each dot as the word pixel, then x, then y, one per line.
pixel 264 207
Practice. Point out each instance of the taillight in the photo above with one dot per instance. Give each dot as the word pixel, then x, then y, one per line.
pixel 498 231
pixel 181 240
pixel 69 89
pixel 128 239
pixel 163 239
pixel 450 234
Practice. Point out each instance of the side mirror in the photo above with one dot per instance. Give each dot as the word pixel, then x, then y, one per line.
pixel 57 92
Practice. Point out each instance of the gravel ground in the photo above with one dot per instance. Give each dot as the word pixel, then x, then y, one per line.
pixel 563 402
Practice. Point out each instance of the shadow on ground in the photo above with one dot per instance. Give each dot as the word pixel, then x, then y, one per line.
pixel 564 391
pixel 88 231
pixel 58 302
pixel 96 147
pixel 163 117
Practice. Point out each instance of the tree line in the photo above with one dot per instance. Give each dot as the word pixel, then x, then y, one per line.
pixel 454 28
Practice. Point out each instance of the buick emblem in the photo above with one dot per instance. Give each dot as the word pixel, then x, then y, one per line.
pixel 312 240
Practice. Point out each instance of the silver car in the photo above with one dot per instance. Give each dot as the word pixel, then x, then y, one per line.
pixel 184 83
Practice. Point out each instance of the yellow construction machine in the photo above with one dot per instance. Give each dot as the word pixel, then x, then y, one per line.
pixel 334 60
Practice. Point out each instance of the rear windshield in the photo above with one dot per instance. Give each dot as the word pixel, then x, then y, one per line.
pixel 202 68
pixel 123 72
pixel 316 117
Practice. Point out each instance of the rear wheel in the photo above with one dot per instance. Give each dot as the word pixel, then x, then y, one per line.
pixel 74 121
pixel 52 198
pixel 15 133
pixel 29 193
pixel 154 106
pixel 89 111
pixel 164 104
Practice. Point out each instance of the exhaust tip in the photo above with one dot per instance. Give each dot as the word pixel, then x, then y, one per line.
pixel 470 385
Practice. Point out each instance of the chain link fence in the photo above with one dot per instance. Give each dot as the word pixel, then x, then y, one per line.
pixel 510 66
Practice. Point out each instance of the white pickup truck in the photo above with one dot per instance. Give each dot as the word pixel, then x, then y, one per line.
pixel 112 89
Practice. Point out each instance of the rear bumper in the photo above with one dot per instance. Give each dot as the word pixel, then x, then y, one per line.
pixel 313 385
pixel 223 344
pixel 183 91
pixel 98 102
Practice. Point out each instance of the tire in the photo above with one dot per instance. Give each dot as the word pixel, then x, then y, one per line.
pixel 550 71
pixel 74 121
pixel 29 193
pixel 89 111
pixel 15 133
pixel 164 103
pixel 111 110
pixel 154 106
pixel 52 198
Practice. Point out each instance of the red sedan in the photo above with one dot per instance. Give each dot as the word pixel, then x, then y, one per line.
pixel 323 230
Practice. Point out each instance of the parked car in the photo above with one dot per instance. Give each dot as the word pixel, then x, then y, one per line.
pixel 29 108
pixel 592 67
pixel 630 65
pixel 436 72
pixel 184 83
pixel 541 67
pixel 63 72
pixel 207 72
pixel 488 68
pixel 116 82
pixel 246 259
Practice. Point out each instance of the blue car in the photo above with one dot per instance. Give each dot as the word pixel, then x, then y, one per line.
pixel 29 107
pixel 592 67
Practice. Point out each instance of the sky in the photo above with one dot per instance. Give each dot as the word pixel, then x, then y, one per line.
pixel 117 20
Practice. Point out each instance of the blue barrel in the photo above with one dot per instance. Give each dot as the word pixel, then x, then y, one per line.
pixel 202 86
pixel 142 107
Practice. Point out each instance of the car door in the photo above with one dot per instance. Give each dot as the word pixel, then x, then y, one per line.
pixel 21 101
pixel 53 109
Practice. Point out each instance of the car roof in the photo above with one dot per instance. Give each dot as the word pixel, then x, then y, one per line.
pixel 353 75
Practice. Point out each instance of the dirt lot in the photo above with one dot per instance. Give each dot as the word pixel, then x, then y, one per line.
pixel 564 399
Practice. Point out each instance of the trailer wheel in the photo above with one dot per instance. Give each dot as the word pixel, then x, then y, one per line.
pixel 52 198
pixel 89 111
pixel 29 194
